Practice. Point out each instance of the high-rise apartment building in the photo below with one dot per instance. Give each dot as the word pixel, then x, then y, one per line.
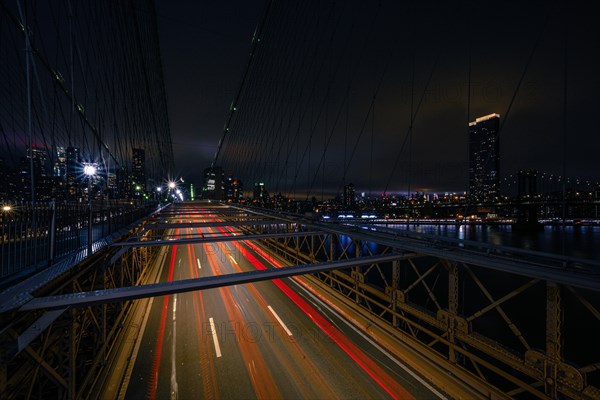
pixel 138 168
pixel 349 198
pixel 260 193
pixel 74 171
pixel 40 158
pixel 60 165
pixel 484 158
pixel 213 187
pixel 234 189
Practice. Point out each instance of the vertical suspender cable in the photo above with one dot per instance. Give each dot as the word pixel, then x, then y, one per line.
pixel 469 69
pixel 410 128
pixel 28 80
pixel 371 160
pixel 255 42
pixel 564 138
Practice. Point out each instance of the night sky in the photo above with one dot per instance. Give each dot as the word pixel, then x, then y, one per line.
pixel 205 48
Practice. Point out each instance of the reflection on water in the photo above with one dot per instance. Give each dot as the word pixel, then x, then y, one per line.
pixel 574 241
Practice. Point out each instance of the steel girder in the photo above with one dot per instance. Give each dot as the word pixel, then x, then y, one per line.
pixel 527 336
pixel 484 319
pixel 60 354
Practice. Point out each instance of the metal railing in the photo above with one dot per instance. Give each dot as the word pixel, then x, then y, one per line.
pixel 32 237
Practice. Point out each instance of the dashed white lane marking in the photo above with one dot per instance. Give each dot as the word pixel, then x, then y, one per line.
pixel 199 265
pixel 174 386
pixel 285 328
pixel 213 331
pixel 233 260
pixel 174 306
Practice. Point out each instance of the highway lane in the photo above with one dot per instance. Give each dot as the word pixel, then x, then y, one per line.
pixel 262 340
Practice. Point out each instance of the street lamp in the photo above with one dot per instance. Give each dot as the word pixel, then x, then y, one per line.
pixel 6 209
pixel 4 217
pixel 178 194
pixel 172 185
pixel 89 170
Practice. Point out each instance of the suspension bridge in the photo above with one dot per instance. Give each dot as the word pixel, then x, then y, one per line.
pixel 110 288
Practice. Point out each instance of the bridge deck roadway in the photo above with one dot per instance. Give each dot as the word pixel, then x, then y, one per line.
pixel 266 339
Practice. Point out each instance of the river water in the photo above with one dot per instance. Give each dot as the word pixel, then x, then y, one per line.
pixel 574 241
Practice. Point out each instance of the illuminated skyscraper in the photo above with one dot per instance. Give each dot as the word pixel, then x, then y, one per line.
pixel 138 168
pixel 349 196
pixel 40 158
pixel 234 189
pixel 112 183
pixel 74 171
pixel 60 165
pixel 124 185
pixel 484 158
pixel 213 187
pixel 260 194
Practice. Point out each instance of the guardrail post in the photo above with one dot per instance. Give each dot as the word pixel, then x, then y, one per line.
pixel 395 284
pixel 52 233
pixel 358 278
pixel 90 220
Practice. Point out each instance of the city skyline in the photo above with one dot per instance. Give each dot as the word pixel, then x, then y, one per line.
pixel 232 187
pixel 542 85
pixel 65 177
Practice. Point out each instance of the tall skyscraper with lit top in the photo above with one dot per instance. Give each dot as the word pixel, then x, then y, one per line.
pixel 484 158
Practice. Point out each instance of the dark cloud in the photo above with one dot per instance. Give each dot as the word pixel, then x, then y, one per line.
pixel 206 45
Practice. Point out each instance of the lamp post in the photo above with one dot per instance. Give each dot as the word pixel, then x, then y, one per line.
pixel 171 186
pixel 89 170
pixel 6 209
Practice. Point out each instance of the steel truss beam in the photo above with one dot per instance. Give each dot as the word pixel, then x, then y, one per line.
pixel 211 239
pixel 497 317
pixel 85 299
pixel 245 222
pixel 485 321
pixel 61 353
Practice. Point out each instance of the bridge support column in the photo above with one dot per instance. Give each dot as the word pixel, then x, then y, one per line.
pixel 358 277
pixel 394 297
pixel 3 378
pixel 452 308
pixel 103 323
pixel 90 227
pixel 72 352
pixel 52 235
pixel 553 339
